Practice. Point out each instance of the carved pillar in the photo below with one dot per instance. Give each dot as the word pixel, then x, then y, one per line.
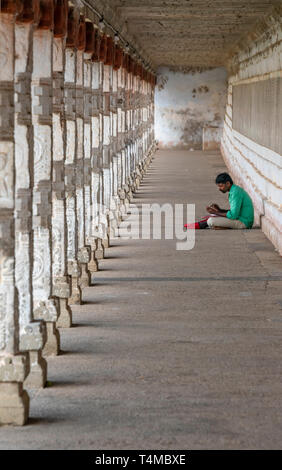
pixel 61 280
pixel 140 125
pixel 133 125
pixel 96 157
pixel 152 110
pixel 106 177
pixel 138 175
pixel 14 367
pixel 149 94
pixel 74 269
pixel 90 237
pixel 136 105
pixel 145 99
pixel 45 307
pixel 129 131
pixel 124 97
pixel 124 102
pixel 138 131
pixel 120 192
pixel 143 118
pixel 115 201
pixel 32 334
pixel 83 250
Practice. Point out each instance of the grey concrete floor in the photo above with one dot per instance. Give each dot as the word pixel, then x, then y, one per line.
pixel 170 349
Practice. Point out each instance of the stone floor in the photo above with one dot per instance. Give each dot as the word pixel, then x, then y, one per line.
pixel 170 349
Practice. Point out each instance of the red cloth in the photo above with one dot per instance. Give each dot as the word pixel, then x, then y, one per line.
pixel 191 226
pixel 196 224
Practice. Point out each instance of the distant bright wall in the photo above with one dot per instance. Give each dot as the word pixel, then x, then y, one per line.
pixel 186 104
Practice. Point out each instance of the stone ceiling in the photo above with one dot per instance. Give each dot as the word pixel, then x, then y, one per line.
pixel 184 33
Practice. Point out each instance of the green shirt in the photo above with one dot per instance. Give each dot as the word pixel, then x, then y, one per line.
pixel 241 206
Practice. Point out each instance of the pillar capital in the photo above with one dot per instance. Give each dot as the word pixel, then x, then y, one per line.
pixel 28 11
pixel 73 27
pixel 81 34
pixel 46 15
pixel 61 19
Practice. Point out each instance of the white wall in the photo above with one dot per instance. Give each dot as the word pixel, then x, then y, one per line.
pixel 187 102
pixel 258 169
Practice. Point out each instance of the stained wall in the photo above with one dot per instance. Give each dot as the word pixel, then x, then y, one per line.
pixel 190 107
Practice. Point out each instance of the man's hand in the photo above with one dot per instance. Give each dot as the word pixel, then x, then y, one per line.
pixel 210 210
pixel 213 209
pixel 215 206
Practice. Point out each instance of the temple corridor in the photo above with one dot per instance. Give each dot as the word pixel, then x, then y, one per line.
pixel 119 329
pixel 170 349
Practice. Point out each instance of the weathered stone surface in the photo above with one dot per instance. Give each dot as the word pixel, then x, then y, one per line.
pixel 65 313
pixel 45 308
pixel 61 287
pixel 37 377
pixel 188 103
pixel 14 404
pixel 60 18
pixel 13 366
pixel 70 78
pixel 52 346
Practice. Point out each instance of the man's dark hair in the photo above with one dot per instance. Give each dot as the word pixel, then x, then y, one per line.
pixel 223 178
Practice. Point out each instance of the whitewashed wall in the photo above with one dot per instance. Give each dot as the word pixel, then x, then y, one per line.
pixel 258 169
pixel 186 103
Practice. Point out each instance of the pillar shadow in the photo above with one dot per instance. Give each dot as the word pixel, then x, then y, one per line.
pixel 116 257
pixel 96 283
pixel 82 325
pixel 45 420
pixel 68 383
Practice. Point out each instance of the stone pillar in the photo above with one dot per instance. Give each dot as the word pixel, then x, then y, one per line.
pixel 115 216
pixel 61 280
pixel 123 192
pixel 137 106
pixel 74 269
pixel 129 133
pixel 120 140
pixel 14 367
pixel 96 156
pixel 45 307
pixel 90 238
pixel 106 173
pixel 133 124
pixel 144 123
pixel 141 128
pixel 83 250
pixel 152 111
pixel 32 334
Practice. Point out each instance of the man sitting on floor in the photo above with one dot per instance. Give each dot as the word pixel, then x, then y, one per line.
pixel 241 212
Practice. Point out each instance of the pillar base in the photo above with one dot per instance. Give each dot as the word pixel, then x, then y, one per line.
pixel 93 265
pixel 37 376
pixel 14 403
pixel 65 315
pixel 85 277
pixel 75 298
pixel 122 211
pixel 52 346
pixel 100 251
pixel 106 242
